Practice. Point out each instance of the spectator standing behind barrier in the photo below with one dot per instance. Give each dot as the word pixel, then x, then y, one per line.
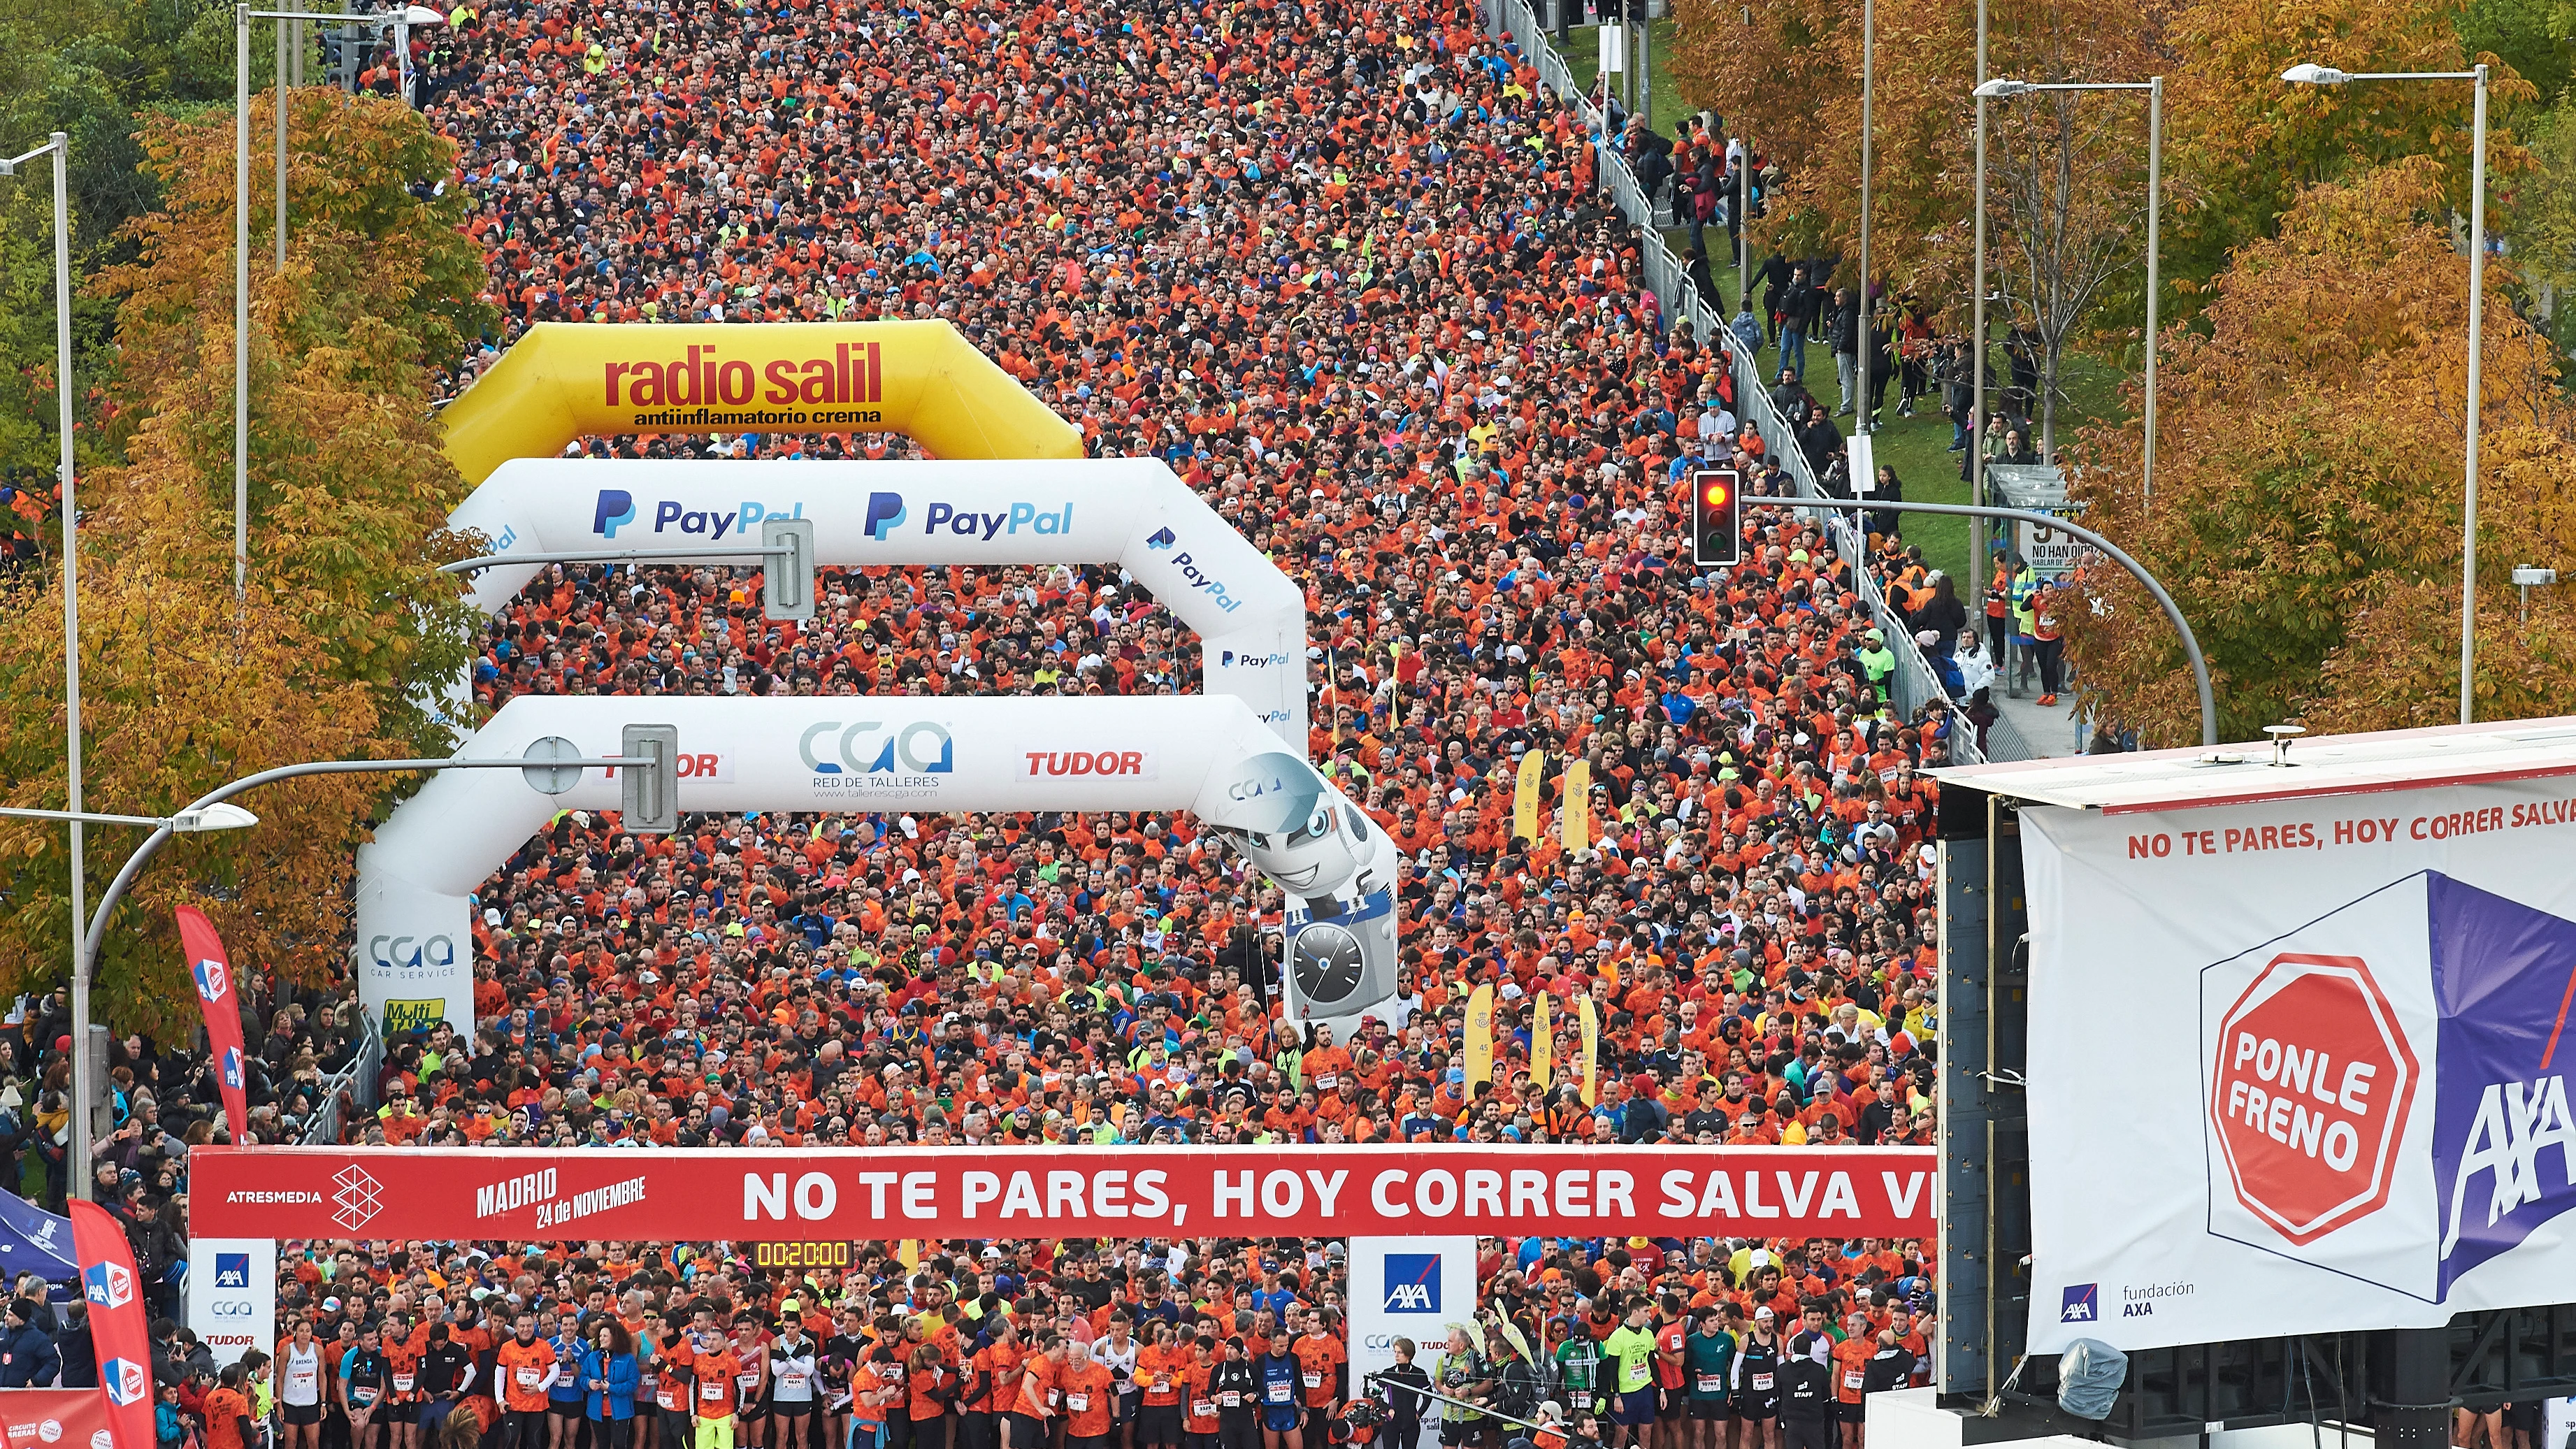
pixel 27 1355
pixel 1404 1407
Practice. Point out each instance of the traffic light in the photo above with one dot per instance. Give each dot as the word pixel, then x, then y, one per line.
pixel 1717 517
pixel 648 796
pixel 787 581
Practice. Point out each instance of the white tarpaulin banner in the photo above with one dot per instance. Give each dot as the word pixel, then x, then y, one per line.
pixel 2298 1066
pixel 232 1295
pixel 1407 1288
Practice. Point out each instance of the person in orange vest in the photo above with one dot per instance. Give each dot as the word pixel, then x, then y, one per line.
pixel 717 1395
pixel 1040 1395
pixel 527 1369
pixel 1090 1395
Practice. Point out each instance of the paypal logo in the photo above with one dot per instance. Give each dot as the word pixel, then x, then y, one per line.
pixel 886 513
pixel 1205 582
pixel 616 507
pixel 1227 658
pixel 1161 538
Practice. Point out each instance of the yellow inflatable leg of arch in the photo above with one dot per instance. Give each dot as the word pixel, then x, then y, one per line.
pixel 568 380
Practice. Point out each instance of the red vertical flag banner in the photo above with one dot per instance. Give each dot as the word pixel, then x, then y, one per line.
pixel 116 1319
pixel 222 1006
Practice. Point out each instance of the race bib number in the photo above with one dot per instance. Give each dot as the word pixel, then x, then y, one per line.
pixel 1582 1398
pixel 1314 1381
pixel 713 1391
pixel 529 1378
pixel 362 1395
pixel 1762 1383
pixel 402 1383
pixel 1201 1408
pixel 1327 1081
pixel 1279 1394
pixel 791 1383
pixel 1231 1398
pixel 1077 1402
pixel 1711 1383
pixel 1851 1379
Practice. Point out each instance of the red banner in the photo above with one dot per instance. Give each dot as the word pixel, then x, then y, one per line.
pixel 222 1006
pixel 116 1323
pixel 813 1194
pixel 54 1419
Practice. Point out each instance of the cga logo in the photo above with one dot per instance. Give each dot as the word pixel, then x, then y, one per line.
pixel 1161 538
pixel 126 1381
pixel 108 1285
pixel 212 979
pixel 232 1270
pixel 1413 1282
pixel 921 747
pixel 398 953
pixel 887 512
pixel 231 1308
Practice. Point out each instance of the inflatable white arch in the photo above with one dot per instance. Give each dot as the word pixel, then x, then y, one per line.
pixel 1251 620
pixel 890 755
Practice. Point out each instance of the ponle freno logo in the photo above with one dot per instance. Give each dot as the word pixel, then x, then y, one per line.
pixel 2310 1091
pixel 212 979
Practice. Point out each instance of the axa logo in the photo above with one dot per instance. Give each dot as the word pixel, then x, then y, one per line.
pixel 109 1285
pixel 232 1270
pixel 1203 581
pixel 2082 1304
pixel 126 1381
pixel 232 1068
pixel 922 747
pixel 1412 1283
pixel 212 979
pixel 886 513
pixel 616 509
pixel 410 953
pixel 1160 539
pixel 1228 659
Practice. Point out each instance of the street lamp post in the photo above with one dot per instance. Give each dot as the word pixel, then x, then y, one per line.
pixel 2321 75
pixel 1860 343
pixel 211 811
pixel 243 15
pixel 61 146
pixel 2000 89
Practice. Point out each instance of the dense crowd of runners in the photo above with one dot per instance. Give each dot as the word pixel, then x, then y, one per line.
pixel 1344 266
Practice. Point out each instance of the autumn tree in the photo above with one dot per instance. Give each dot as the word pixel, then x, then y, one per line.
pixel 349 638
pixel 2308 485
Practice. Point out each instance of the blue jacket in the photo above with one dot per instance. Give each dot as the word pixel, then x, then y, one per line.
pixel 619 1372
pixel 27 1358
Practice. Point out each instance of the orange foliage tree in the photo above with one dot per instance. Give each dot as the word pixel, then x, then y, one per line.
pixel 2308 487
pixel 349 636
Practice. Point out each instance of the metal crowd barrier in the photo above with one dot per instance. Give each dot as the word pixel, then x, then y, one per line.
pixel 1914 685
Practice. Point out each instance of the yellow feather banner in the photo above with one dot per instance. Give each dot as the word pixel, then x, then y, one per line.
pixel 1591 1054
pixel 1480 1035
pixel 1525 796
pixel 1575 810
pixel 1542 1044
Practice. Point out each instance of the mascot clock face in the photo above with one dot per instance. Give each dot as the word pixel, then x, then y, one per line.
pixel 1327 964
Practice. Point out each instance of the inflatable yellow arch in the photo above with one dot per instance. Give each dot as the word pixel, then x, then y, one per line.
pixel 568 380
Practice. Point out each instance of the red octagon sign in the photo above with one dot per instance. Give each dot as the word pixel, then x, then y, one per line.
pixel 2309 1093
